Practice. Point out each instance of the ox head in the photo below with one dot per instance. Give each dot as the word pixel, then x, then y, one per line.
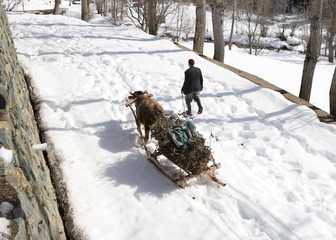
pixel 137 94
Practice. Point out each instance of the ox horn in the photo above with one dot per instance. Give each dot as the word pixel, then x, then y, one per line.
pixel 129 103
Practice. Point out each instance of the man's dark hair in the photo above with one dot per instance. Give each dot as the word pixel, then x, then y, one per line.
pixel 191 62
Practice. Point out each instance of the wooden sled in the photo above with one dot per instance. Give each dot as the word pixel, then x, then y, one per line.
pixel 185 174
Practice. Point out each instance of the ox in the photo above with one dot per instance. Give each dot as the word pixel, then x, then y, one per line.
pixel 147 111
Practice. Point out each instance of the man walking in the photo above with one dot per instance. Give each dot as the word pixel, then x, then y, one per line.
pixel 192 86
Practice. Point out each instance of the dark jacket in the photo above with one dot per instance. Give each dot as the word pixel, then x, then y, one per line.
pixel 193 80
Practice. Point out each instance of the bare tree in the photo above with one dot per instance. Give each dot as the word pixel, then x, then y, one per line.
pixel 329 14
pixel 281 24
pixel 332 95
pixel 217 9
pixel 85 10
pixel 252 25
pixel 112 8
pixel 313 50
pixel 182 23
pixel 56 7
pixel 11 4
pixel 200 26
pixel 232 23
pixel 148 14
pixel 264 10
pixel 99 6
pixel 152 22
pixel 137 13
pixel 282 6
pixel 306 27
pixel 257 13
pixel 118 9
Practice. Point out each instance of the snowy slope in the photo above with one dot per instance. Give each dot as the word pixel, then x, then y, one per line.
pixel 283 69
pixel 278 160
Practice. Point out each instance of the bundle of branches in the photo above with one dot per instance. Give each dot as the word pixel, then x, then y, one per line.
pixel 193 157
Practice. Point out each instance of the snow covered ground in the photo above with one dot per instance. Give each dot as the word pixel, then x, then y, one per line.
pixel 278 160
pixel 283 69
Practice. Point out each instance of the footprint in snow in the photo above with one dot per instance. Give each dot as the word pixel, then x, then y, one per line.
pixel 250 109
pixel 333 176
pixel 247 134
pixel 217 205
pixel 267 139
pixel 296 167
pixel 233 109
pixel 290 196
pixel 107 63
pixel 67 106
pixel 312 175
pixel 246 127
pixel 237 92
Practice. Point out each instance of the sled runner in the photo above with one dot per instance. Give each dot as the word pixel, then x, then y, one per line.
pixel 192 160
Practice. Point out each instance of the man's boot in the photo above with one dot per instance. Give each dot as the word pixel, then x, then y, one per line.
pixel 200 108
pixel 188 112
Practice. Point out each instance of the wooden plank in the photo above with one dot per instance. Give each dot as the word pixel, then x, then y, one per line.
pixel 215 179
pixel 179 182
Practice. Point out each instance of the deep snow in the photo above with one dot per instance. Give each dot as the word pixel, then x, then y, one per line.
pixel 278 160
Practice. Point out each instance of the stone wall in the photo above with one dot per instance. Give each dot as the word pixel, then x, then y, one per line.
pixel 25 180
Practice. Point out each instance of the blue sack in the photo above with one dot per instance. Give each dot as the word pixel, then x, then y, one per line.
pixel 181 134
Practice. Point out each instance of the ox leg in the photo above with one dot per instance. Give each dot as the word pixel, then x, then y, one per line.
pixel 147 128
pixel 138 123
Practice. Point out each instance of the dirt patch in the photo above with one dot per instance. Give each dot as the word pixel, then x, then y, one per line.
pixel 9 194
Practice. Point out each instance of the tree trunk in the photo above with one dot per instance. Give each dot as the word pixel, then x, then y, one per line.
pixel 99 7
pixel 332 95
pixel 200 26
pixel 152 24
pixel 56 7
pixel 85 10
pixel 332 30
pixel 232 23
pixel 331 49
pixel 217 9
pixel 313 50
pixel 250 34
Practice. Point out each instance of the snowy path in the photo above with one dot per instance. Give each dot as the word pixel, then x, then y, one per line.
pixel 283 69
pixel 279 161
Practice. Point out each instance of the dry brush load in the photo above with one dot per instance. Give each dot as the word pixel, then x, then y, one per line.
pixel 192 157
